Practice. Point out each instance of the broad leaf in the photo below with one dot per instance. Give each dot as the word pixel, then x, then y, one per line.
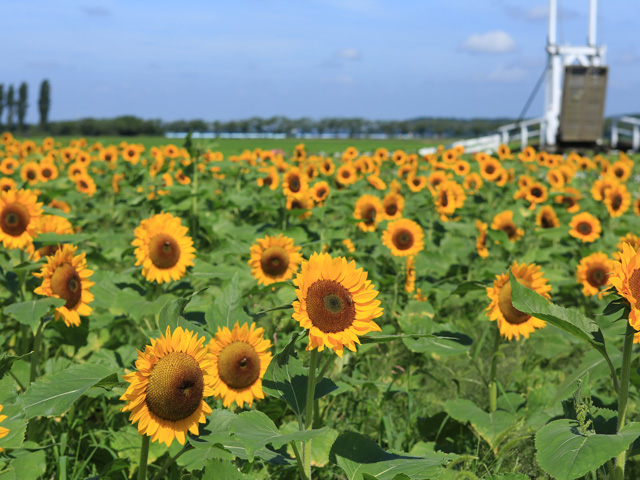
pixel 7 360
pixel 362 458
pixel 227 309
pixel 54 394
pixel 566 453
pixel 170 313
pixel 492 427
pixel 255 430
pixel 31 312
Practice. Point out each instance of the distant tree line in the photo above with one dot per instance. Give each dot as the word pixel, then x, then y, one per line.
pixel 349 127
pixel 16 108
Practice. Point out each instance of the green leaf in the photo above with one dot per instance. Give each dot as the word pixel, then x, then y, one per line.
pixel 31 312
pixel 570 320
pixel 565 453
pixel 53 395
pixel 469 286
pixel 56 238
pixel 507 476
pixel 17 425
pixel 217 469
pixel 288 379
pixel 28 465
pixel 170 313
pixel 492 427
pixel 255 430
pixel 228 308
pixel 358 456
pixel 7 360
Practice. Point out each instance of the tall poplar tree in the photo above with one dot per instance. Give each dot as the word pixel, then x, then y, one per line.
pixel 22 105
pixel 10 107
pixel 44 104
pixel 2 100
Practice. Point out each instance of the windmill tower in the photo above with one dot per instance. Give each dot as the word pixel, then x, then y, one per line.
pixel 575 86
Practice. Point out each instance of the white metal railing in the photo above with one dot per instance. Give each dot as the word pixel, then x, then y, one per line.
pixel 488 144
pixel 632 130
pixel 525 130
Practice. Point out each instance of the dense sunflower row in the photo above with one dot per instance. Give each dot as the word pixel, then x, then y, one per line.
pixel 389 201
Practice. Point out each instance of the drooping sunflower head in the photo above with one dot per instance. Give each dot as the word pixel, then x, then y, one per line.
pixel 166 393
pixel 481 241
pixel 403 237
pixel 392 206
pixel 163 248
pixel 410 278
pixel 594 272
pixel 336 303
pixel 626 280
pixel 368 208
pixel 241 357
pixel 19 214
pixel 66 276
pixel 504 221
pixel 274 259
pixel 547 218
pixel 585 227
pixel 511 321
pixel 617 199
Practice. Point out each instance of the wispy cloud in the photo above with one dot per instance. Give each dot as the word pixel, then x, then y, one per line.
pixel 349 54
pixel 497 41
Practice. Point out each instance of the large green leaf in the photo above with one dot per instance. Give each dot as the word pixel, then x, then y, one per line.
pixel 16 424
pixel 7 360
pixel 30 313
pixel 565 452
pixel 227 309
pixel 255 430
pixel 27 464
pixel 54 394
pixel 217 469
pixel 132 303
pixel 492 427
pixel 361 458
pixel 288 379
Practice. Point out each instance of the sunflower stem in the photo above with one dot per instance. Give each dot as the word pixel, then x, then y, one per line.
pixel 308 413
pixel 144 456
pixel 493 386
pixel 194 200
pixel 296 452
pixel 37 342
pixel 170 462
pixel 623 395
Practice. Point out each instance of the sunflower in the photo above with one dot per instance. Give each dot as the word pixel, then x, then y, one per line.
pixel 51 224
pixel 481 241
pixel 335 302
pixel 536 193
pixel 7 184
pixel 399 157
pixel 327 167
pixel 85 184
pixel 617 199
pixel 556 179
pixel 3 431
pixel 472 182
pixel 274 259
pixel 547 218
pixel 600 187
pixel 392 206
pixel 166 393
pixel 272 179
pixel 346 174
pixel 620 170
pixel 241 357
pixel 19 213
pixel 349 245
pixel 294 182
pixel 66 276
pixel 490 169
pixel 586 227
pixel 376 182
pixel 48 171
pixel 527 155
pixel 416 182
pixel 636 206
pixel 410 278
pixel 504 152
pixel 8 166
pixel 320 191
pixel 368 209
pixel 626 280
pixel 300 201
pixel 593 273
pixel 504 221
pixel 513 322
pixel 630 238
pixel 163 248
pixel 60 205
pixel 403 237
pixel 30 172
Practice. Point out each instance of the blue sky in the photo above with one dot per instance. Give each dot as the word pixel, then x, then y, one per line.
pixel 379 59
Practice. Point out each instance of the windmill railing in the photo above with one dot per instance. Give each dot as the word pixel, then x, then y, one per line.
pixel 522 131
pixel 625 126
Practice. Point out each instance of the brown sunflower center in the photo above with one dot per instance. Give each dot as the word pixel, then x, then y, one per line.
pixel 84 184
pixel 66 284
pixel 547 221
pixel 274 261
pixel 584 228
pixel 46 172
pixel 597 275
pixel 402 239
pixel 616 202
pixel 511 314
pixel 444 199
pixel 489 169
pixel 330 306
pixel 634 284
pixel 175 387
pixel 391 209
pixel 510 229
pixel 619 172
pixel 31 174
pixel 268 180
pixel 48 250
pixel 346 174
pixel 238 365
pixel 14 219
pixel 568 201
pixel 536 192
pixel 164 251
pixel 369 214
pixel 294 184
pixel 321 192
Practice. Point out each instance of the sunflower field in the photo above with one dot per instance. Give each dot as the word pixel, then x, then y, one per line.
pixel 173 312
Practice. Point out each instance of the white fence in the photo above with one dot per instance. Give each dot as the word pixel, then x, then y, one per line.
pixel 628 127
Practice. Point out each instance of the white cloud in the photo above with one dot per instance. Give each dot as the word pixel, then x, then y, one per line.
pixel 508 74
pixel 490 42
pixel 349 54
